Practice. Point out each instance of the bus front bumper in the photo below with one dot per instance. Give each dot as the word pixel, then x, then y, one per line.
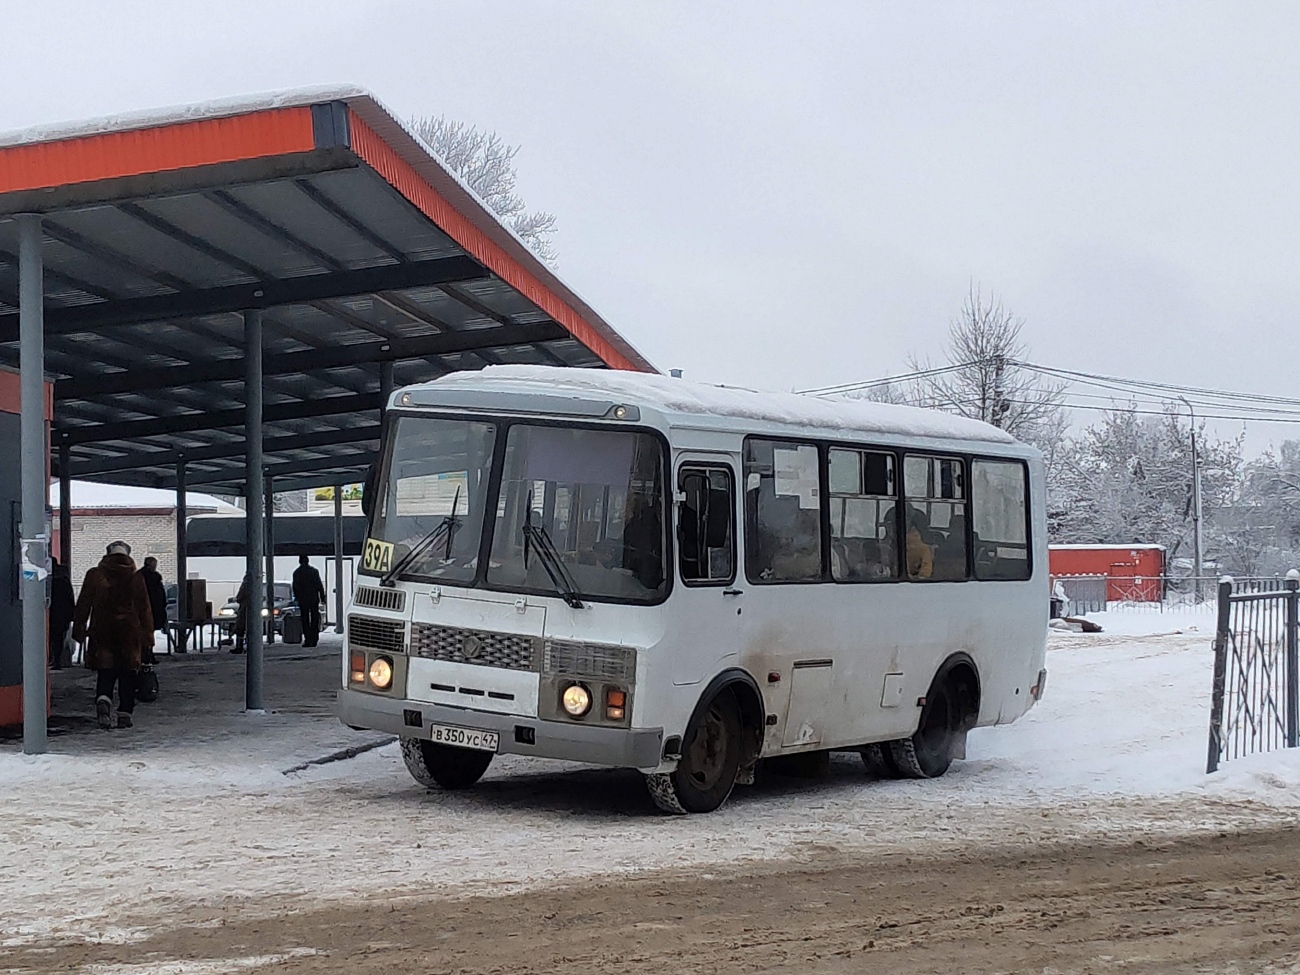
pixel 639 748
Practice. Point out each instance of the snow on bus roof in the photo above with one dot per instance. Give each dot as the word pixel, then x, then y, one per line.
pixel 684 396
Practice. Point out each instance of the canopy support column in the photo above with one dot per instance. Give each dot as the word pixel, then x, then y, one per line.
pixel 65 507
pixel 253 500
pixel 33 454
pixel 270 560
pixel 385 386
pixel 338 558
pixel 182 560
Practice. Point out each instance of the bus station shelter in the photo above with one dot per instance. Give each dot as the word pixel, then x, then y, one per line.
pixel 225 295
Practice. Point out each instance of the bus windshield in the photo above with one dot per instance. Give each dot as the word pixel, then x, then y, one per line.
pixel 579 513
pixel 596 496
pixel 435 481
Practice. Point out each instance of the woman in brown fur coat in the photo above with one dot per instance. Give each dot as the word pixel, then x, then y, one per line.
pixel 115 601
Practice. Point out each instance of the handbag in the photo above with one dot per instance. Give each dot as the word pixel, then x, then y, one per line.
pixel 146 687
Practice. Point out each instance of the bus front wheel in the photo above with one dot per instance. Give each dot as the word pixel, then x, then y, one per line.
pixel 444 766
pixel 710 763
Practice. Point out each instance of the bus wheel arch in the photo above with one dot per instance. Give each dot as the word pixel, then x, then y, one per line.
pixel 720 747
pixel 950 710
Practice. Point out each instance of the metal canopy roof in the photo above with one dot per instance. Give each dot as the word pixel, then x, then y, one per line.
pixel 318 207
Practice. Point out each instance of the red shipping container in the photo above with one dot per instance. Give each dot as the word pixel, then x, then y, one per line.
pixel 1135 573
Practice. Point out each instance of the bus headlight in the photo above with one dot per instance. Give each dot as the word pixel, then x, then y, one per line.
pixel 576 700
pixel 381 673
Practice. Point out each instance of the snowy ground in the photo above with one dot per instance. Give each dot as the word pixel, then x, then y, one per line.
pixel 116 832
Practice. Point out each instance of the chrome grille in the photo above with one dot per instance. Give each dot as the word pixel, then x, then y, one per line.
pixel 386 635
pixel 589 660
pixel 371 598
pixel 507 650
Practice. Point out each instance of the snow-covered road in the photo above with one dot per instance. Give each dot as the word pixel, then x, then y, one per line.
pixel 111 834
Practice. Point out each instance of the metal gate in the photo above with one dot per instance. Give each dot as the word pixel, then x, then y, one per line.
pixel 1255 706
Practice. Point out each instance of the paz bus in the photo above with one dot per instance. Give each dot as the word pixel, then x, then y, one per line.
pixel 644 572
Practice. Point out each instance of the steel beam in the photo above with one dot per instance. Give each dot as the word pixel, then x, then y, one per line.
pixel 354 460
pixel 310 360
pixel 217 420
pixel 253 508
pixel 33 451
pixel 259 295
pixel 273 445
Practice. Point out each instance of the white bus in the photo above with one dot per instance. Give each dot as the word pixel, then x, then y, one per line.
pixel 645 572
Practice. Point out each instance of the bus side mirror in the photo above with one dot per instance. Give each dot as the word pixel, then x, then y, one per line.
pixel 368 489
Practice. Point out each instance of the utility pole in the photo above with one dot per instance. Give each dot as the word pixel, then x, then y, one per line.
pixel 1196 504
pixel 998 408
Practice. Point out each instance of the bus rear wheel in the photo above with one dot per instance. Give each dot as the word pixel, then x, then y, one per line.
pixel 929 752
pixel 443 766
pixel 878 758
pixel 710 763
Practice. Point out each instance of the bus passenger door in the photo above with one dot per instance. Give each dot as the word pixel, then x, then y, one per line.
pixel 707 599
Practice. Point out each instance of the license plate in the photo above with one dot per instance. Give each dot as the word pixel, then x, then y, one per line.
pixel 483 741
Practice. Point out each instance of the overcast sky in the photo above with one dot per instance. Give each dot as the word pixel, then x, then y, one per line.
pixel 792 194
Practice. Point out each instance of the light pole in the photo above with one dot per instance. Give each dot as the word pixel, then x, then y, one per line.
pixel 1196 504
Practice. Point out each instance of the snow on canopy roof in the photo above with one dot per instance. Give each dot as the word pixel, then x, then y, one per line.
pixel 87 494
pixel 390 127
pixel 683 396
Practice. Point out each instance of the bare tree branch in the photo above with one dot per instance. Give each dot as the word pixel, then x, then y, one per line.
pixel 487 163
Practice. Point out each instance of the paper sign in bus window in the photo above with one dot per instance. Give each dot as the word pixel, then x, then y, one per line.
pixel 796 475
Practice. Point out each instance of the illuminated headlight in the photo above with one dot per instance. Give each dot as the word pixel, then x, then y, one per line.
pixel 265 613
pixel 226 611
pixel 576 700
pixel 381 673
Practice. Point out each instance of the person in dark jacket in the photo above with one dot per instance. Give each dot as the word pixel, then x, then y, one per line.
pixel 63 606
pixel 241 616
pixel 153 583
pixel 309 594
pixel 113 610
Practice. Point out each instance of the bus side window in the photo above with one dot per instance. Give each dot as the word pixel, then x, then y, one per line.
pixel 783 537
pixel 1000 520
pixel 935 544
pixel 706 525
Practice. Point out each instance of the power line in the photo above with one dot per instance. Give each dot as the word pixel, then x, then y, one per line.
pixel 888 381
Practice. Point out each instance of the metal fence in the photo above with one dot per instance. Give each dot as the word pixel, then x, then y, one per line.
pixel 1150 594
pixel 1255 705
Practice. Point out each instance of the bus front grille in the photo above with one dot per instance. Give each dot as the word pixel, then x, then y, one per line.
pixel 372 598
pixel 486 649
pixel 598 661
pixel 388 636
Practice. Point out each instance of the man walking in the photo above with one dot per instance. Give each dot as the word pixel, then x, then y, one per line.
pixel 309 594
pixel 114 611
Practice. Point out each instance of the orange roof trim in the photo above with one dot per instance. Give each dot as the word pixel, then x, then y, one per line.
pixel 182 145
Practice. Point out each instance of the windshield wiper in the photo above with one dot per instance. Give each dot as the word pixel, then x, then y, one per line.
pixel 536 536
pixel 445 529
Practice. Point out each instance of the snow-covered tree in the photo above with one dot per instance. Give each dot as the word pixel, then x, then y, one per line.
pixel 487 164
pixel 1128 480
pixel 982 378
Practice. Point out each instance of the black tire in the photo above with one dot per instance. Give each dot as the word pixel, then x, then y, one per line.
pixel 878 758
pixel 443 765
pixel 707 771
pixel 929 752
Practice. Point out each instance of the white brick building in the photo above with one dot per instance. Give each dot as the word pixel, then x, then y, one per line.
pixel 144 518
